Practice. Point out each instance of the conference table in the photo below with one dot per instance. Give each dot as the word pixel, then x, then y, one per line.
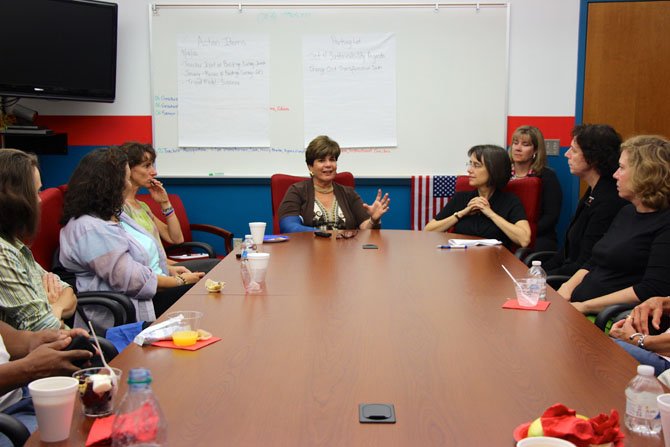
pixel 408 324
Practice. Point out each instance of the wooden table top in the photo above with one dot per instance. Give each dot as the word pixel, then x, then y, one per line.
pixel 407 324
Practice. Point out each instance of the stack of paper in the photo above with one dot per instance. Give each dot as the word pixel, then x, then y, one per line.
pixel 473 242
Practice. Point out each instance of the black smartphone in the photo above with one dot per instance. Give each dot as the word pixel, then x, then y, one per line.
pixel 81 342
pixel 322 234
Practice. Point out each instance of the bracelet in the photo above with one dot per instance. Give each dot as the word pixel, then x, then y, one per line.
pixel 640 341
pixel 456 215
pixel 167 211
pixel 637 334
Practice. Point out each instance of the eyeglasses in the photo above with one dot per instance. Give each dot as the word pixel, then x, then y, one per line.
pixel 473 165
pixel 346 234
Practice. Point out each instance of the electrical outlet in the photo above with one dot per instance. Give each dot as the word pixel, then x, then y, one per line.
pixel 553 147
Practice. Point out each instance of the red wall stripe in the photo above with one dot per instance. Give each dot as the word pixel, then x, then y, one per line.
pixel 552 127
pixel 100 130
pixel 105 130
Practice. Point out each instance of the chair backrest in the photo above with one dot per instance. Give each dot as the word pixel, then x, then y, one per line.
pixel 179 211
pixel 47 239
pixel 279 184
pixel 527 189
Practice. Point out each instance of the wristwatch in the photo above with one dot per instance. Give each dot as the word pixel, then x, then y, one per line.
pixel 456 215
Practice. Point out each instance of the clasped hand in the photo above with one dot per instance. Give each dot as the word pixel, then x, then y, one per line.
pixel 478 204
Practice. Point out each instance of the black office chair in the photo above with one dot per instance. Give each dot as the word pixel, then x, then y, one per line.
pixel 15 431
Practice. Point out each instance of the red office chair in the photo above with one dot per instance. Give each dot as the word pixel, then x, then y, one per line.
pixel 279 184
pixel 527 189
pixel 187 228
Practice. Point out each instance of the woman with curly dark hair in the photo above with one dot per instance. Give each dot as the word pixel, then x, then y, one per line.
pixel 30 298
pixel 593 156
pixel 105 248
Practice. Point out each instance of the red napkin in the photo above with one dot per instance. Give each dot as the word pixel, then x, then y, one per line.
pixel 198 344
pixel 101 431
pixel 559 421
pixel 514 304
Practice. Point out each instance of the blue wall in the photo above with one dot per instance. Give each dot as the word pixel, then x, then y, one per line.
pixel 232 203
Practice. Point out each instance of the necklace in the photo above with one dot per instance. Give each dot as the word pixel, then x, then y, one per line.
pixel 326 190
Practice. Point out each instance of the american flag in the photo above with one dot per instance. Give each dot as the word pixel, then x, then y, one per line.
pixel 429 195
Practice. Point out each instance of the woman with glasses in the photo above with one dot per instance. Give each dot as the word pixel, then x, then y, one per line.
pixel 321 204
pixel 529 159
pixel 487 211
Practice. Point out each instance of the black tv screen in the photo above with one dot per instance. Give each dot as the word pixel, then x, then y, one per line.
pixel 58 49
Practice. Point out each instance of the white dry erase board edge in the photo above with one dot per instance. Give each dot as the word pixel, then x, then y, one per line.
pixel 450 76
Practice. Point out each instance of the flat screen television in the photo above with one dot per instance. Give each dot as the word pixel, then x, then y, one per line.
pixel 58 49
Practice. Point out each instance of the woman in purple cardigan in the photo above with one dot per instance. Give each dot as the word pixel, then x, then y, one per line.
pixel 109 251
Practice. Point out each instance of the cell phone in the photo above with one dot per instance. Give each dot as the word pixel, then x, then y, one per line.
pixel 322 234
pixel 369 247
pixel 81 342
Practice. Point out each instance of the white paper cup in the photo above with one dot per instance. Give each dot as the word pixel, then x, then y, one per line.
pixel 664 407
pixel 53 398
pixel 527 292
pixel 254 270
pixel 257 231
pixel 544 441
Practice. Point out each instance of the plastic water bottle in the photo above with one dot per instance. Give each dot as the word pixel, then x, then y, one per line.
pixel 536 271
pixel 248 246
pixel 139 419
pixel 642 415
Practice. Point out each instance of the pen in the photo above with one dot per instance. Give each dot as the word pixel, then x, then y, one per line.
pixel 449 247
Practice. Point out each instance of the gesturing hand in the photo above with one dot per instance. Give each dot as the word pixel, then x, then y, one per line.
pixel 379 207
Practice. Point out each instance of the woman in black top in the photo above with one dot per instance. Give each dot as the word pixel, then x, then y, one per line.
pixel 529 159
pixel 630 263
pixel 487 212
pixel 593 157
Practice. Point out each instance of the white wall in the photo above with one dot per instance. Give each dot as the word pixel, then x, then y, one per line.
pixel 542 71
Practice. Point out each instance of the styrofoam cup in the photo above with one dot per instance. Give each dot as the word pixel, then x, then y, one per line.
pixel 257 231
pixel 53 398
pixel 664 407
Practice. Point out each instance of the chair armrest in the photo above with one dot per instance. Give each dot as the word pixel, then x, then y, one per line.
pixel 225 234
pixel 539 256
pixel 556 281
pixel 125 302
pixel 611 312
pixel 522 252
pixel 201 245
pixel 109 351
pixel 11 427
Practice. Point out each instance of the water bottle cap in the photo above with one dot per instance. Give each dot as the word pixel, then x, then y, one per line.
pixel 139 375
pixel 537 262
pixel 645 370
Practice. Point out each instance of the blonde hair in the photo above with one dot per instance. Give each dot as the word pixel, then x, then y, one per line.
pixel 537 140
pixel 649 160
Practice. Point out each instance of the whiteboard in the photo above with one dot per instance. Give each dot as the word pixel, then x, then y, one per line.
pixel 451 72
